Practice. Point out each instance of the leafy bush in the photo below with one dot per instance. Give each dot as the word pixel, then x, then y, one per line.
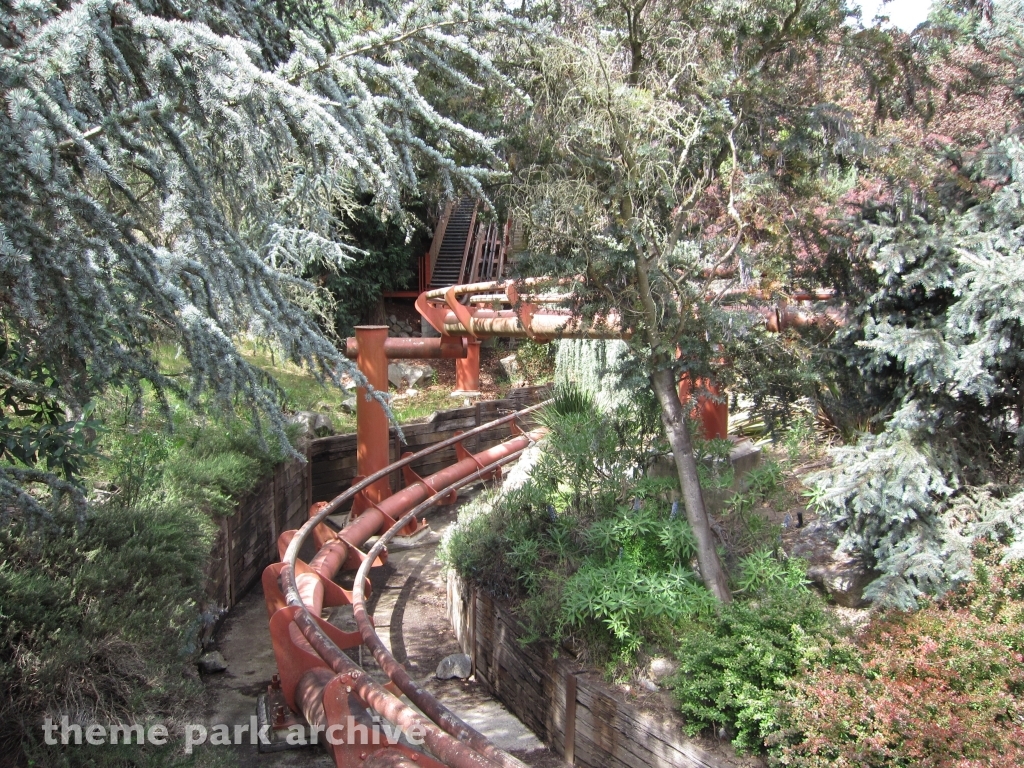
pixel 735 663
pixel 939 688
pixel 39 441
pixel 496 542
pixel 537 361
pixel 100 615
pixel 205 463
pixel 590 548
pixel 385 261
pixel 585 547
pixel 635 579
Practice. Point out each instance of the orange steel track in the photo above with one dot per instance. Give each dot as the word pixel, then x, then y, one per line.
pixel 316 677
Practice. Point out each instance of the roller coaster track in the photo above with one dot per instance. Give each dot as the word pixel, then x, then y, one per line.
pixel 316 677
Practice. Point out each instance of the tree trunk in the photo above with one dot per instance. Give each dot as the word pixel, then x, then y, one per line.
pixel 674 419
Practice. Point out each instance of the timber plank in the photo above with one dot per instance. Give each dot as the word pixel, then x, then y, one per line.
pixel 343 474
pixel 610 731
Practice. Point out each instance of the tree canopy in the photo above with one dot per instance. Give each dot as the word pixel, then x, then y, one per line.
pixel 171 169
pixel 673 156
pixel 936 341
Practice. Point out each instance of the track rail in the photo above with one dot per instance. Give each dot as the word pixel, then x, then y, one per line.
pixel 318 679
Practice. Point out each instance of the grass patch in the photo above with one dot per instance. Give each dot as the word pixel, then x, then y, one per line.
pixel 303 392
pixel 100 619
pixel 99 622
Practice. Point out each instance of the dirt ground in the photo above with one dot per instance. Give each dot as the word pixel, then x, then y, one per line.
pixel 408 605
pixel 493 381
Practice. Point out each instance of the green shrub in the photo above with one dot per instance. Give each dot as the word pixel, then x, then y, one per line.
pixel 590 548
pixel 100 616
pixel 205 463
pixel 496 543
pixel 537 361
pixel 735 663
pixel 586 547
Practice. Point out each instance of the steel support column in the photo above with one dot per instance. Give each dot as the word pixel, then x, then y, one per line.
pixel 467 370
pixel 372 449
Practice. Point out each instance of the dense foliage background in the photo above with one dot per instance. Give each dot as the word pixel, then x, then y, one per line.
pixel 182 181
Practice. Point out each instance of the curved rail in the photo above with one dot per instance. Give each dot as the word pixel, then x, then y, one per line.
pixel 454 742
pixel 385 660
pixel 539 308
pixel 527 309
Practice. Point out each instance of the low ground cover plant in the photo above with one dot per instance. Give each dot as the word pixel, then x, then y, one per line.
pixel 99 622
pixel 942 687
pixel 735 662
pixel 100 617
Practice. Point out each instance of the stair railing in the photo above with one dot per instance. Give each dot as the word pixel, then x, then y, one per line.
pixel 435 245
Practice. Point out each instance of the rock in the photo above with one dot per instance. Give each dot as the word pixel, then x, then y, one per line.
pixel 744 457
pixel 663 467
pixel 392 319
pixel 210 617
pixel 348 405
pixel 313 424
pixel 407 373
pixel 662 668
pixel 457 665
pixel 307 428
pixel 322 426
pixel 844 577
pixel 428 331
pixel 306 420
pixel 647 685
pixel 511 367
pixel 212 662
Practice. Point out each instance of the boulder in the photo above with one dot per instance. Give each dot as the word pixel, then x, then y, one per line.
pixel 210 663
pixel 348 405
pixel 322 426
pixel 457 665
pixel 662 668
pixel 312 424
pixel 307 427
pixel 410 375
pixel 512 369
pixel 844 577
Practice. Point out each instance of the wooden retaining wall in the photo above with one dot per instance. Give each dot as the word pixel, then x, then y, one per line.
pixel 247 540
pixel 573 711
pixel 333 459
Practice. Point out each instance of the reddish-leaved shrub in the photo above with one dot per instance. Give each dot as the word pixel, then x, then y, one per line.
pixel 939 688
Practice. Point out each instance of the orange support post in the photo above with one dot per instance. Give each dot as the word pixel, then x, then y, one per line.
pixel 372 435
pixel 713 416
pixel 467 370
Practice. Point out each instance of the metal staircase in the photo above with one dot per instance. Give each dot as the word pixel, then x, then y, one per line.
pixel 448 261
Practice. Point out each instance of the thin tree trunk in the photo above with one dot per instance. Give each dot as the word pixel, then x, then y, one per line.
pixel 674 419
